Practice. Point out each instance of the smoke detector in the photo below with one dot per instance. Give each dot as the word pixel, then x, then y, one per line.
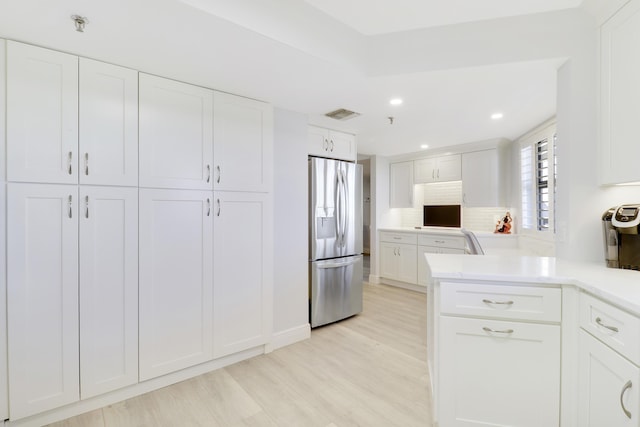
pixel 342 114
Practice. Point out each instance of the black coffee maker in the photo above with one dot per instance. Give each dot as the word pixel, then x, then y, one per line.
pixel 620 227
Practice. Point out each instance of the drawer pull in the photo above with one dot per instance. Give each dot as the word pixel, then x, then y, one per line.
pixel 611 328
pixel 505 331
pixel 488 301
pixel 626 387
pixel 397 238
pixel 439 241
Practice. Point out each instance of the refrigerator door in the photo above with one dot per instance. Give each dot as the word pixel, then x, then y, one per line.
pixel 336 289
pixel 335 208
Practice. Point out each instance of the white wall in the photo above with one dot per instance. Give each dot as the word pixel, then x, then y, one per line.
pixel 3 241
pixel 291 291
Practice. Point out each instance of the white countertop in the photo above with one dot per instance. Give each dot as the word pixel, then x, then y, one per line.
pixel 620 287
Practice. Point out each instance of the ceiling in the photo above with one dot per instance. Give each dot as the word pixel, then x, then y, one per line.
pixel 314 56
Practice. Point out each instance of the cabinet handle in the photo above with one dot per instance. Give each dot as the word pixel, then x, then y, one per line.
pixel 70 159
pixel 504 331
pixel 219 207
pixel 86 204
pixel 626 387
pixel 433 174
pixel 208 173
pixel 395 251
pixel 438 175
pixel 208 206
pixel 488 301
pixel 397 238
pixel 219 174
pixel 331 149
pixel 70 206
pixel 325 144
pixel 439 241
pixel 86 163
pixel 398 251
pixel 611 328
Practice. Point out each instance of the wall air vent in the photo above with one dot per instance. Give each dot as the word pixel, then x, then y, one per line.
pixel 342 114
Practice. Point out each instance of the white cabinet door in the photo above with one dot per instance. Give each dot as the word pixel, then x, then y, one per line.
pixel 480 185
pixel 108 124
pixel 42 297
pixel 318 141
pixel 42 115
pixel 342 146
pixel 176 134
pixel 422 262
pixel 243 143
pixel 449 168
pixel 4 398
pixel 243 271
pixel 498 373
pixel 401 185
pixel 176 280
pixel 608 386
pixel 108 289
pixel 398 262
pixel 620 96
pixel 425 171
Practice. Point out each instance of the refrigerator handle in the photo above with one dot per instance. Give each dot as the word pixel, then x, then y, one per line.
pixel 347 215
pixel 339 264
pixel 338 211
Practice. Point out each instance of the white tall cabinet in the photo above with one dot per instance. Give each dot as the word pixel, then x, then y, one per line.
pixel 108 205
pixel 176 280
pixel 108 219
pixel 42 298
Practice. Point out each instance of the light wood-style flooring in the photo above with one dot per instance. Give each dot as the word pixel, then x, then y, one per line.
pixel 369 370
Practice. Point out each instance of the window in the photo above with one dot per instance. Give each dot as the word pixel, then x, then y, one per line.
pixel 538 180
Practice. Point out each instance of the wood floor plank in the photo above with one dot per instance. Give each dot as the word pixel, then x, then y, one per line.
pixel 369 370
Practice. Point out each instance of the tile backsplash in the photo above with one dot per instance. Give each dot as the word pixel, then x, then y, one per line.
pixel 450 193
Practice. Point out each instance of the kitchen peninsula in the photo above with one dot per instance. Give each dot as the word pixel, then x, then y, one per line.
pixel 554 341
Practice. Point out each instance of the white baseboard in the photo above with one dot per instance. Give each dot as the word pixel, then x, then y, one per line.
pixel 290 336
pixel 404 285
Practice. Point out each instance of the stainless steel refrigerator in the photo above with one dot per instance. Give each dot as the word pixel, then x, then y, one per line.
pixel 335 240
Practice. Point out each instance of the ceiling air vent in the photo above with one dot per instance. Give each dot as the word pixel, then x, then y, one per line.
pixel 342 114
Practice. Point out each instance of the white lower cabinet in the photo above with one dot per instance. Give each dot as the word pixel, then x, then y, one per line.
pixel 398 262
pixel 498 373
pixel 608 386
pixel 42 294
pixel 242 271
pixel 108 289
pixel 176 280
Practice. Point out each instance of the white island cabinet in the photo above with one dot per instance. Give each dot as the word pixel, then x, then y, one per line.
pixel 532 341
pixel 496 357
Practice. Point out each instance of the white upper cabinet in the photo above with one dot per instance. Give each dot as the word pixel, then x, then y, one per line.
pixel 42 115
pixel 243 143
pixel 242 292
pixel 108 289
pixel 176 280
pixel 332 144
pixel 42 241
pixel 620 96
pixel 176 134
pixel 108 124
pixel 484 178
pixel 438 169
pixel 401 185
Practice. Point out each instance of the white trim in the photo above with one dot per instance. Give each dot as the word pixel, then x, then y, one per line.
pixel 373 279
pixel 289 336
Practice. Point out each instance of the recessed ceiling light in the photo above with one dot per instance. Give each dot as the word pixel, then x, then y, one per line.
pixel 395 101
pixel 497 116
pixel 424 146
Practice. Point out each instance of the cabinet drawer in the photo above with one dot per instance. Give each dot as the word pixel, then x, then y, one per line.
pixel 407 238
pixel 454 242
pixel 616 328
pixel 501 301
